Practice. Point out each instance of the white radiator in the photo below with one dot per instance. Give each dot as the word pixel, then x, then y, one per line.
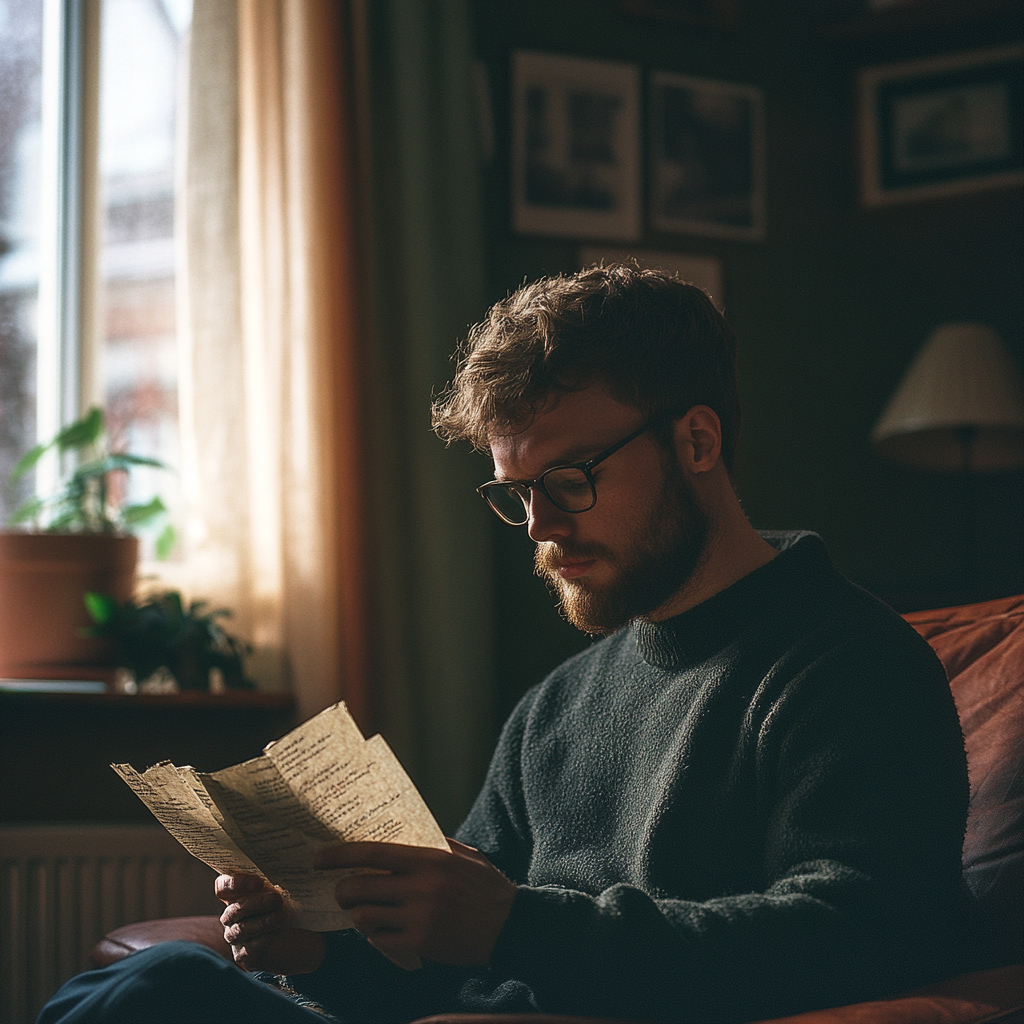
pixel 63 887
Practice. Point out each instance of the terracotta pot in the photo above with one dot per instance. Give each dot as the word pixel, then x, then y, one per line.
pixel 43 577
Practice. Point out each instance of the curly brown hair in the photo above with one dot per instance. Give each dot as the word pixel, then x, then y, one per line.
pixel 657 343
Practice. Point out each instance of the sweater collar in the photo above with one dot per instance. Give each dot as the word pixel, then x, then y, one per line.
pixel 697 634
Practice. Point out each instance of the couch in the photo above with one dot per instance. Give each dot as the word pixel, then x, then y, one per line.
pixel 982 649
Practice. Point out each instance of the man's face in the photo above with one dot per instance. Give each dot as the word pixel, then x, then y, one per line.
pixel 641 542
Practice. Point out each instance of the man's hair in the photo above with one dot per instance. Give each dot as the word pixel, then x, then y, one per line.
pixel 656 343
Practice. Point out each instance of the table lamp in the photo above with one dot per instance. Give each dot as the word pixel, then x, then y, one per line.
pixel 959 408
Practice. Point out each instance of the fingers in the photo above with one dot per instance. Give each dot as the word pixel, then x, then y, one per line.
pixel 374 921
pixel 383 890
pixel 252 906
pixel 383 856
pixel 230 887
pixel 247 929
pixel 471 852
pixel 252 917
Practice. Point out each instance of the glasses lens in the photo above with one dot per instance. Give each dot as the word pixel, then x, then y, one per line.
pixel 507 502
pixel 569 489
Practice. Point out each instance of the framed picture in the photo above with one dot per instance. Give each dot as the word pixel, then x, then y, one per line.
pixel 942 126
pixel 575 147
pixel 703 271
pixel 707 157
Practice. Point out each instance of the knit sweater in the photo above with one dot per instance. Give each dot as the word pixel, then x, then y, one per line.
pixel 752 809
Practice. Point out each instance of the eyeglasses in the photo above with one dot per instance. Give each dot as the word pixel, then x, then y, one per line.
pixel 569 488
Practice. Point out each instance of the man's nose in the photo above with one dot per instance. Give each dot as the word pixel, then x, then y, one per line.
pixel 546 520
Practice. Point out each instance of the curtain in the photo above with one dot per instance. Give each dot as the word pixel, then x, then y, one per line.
pixel 268 383
pixel 430 537
pixel 321 507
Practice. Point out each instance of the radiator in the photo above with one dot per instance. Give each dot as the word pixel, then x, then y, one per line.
pixel 63 887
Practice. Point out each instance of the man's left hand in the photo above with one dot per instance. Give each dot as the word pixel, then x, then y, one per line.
pixel 445 907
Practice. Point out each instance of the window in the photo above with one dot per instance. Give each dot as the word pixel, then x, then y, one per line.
pixel 87 225
pixel 21 57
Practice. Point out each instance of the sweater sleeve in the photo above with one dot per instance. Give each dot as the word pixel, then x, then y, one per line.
pixel 861 788
pixel 497 824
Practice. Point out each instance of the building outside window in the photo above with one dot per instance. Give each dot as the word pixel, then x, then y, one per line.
pixel 61 349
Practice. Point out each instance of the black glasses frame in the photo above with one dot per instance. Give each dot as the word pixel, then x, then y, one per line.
pixel 523 487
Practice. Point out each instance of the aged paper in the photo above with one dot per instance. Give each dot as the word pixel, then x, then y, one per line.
pixel 355 788
pixel 180 810
pixel 321 784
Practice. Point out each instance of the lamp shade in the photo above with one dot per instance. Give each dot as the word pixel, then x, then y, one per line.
pixel 959 406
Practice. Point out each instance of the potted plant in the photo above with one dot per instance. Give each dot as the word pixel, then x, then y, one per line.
pixel 160 632
pixel 78 539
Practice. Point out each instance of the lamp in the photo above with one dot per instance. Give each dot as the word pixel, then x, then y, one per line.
pixel 959 408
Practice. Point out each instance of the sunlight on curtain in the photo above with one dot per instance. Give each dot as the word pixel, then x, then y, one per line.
pixel 264 369
pixel 276 361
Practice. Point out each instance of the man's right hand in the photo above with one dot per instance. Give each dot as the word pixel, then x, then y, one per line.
pixel 255 928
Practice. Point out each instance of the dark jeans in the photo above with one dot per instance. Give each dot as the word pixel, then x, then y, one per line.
pixel 172 983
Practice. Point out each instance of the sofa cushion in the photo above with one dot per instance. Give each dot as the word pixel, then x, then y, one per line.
pixel 982 649
pixel 130 938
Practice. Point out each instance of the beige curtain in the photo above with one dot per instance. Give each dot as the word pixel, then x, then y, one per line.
pixel 267 326
pixel 283 517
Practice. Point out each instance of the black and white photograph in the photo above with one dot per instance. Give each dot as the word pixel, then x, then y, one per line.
pixel 707 157
pixel 942 126
pixel 576 147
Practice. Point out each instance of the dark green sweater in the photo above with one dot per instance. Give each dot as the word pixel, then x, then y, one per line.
pixel 753 809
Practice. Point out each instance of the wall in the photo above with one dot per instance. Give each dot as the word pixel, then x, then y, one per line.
pixel 830 308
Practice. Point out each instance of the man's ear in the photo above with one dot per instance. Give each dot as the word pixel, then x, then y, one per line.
pixel 698 439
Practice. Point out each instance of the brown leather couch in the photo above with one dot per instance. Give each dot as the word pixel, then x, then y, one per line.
pixel 982 648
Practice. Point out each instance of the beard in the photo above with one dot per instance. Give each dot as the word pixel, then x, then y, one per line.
pixel 665 551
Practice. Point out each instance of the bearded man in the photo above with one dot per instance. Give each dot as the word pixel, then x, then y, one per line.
pixel 747 800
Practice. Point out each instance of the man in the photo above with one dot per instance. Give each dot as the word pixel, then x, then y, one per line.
pixel 747 801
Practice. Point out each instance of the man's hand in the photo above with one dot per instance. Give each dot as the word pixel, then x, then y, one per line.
pixel 254 927
pixel 445 907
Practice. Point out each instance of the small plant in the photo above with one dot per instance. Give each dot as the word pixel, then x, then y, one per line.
pixel 85 501
pixel 160 632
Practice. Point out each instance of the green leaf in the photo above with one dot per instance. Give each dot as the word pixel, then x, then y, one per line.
pixel 111 464
pixel 138 460
pixel 28 461
pixel 166 541
pixel 101 607
pixel 139 515
pixel 27 510
pixel 79 502
pixel 82 432
pixel 68 521
pixel 95 469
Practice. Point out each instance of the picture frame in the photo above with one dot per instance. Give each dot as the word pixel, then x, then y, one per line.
pixel 706 157
pixel 575 147
pixel 700 269
pixel 941 127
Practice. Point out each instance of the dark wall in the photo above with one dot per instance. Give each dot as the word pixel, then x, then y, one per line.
pixel 830 308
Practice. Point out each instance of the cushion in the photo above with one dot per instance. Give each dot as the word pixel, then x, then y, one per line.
pixel 982 649
pixel 122 942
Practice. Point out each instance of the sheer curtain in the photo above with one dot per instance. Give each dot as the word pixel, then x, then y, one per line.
pixel 307 374
pixel 268 381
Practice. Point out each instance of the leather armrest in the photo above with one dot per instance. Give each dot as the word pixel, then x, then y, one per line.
pixel 994 997
pixel 122 942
